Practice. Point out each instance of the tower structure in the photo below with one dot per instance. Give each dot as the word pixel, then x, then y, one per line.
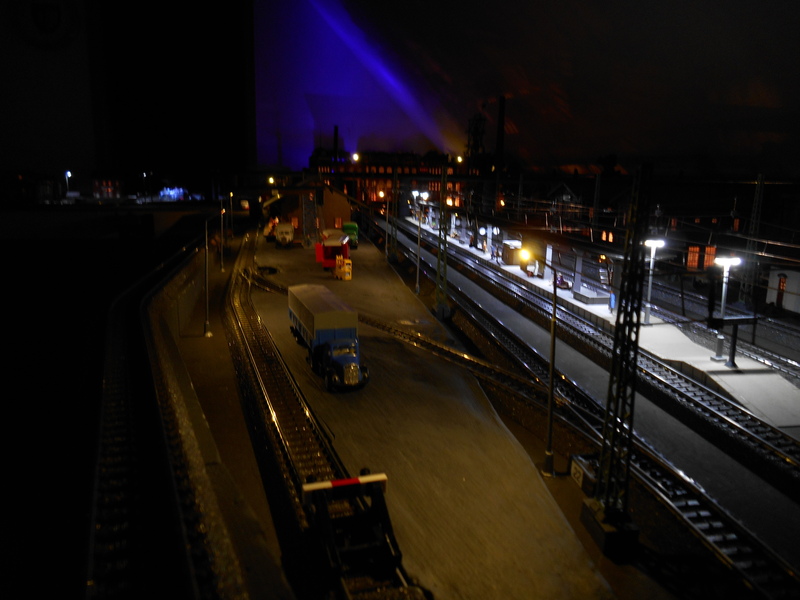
pixel 606 513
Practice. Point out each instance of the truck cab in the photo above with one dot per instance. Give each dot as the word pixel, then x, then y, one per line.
pixel 343 269
pixel 284 235
pixel 339 363
pixel 350 228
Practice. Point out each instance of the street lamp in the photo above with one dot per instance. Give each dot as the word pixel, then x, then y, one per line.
pixel 67 175
pixel 386 241
pixel 221 237
pixel 230 214
pixel 726 262
pixel 424 196
pixel 549 470
pixel 653 245
pixel 207 326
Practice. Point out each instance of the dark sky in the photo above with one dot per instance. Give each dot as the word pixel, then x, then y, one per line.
pixel 88 83
pixel 114 89
pixel 581 79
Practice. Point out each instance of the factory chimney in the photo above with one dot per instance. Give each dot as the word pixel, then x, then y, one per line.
pixel 335 144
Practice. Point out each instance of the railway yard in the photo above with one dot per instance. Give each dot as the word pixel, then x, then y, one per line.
pixel 453 416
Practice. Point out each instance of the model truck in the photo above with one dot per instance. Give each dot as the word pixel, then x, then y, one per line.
pixel 333 243
pixel 343 269
pixel 328 328
pixel 284 235
pixel 351 230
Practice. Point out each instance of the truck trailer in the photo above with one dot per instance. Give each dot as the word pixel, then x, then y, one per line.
pixel 334 243
pixel 328 328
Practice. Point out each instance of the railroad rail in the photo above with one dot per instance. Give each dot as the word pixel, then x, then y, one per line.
pixel 731 543
pixel 755 565
pixel 336 533
pixel 763 448
pixel 154 512
pixel 330 515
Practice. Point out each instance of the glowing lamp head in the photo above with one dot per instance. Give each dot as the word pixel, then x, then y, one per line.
pixel 728 261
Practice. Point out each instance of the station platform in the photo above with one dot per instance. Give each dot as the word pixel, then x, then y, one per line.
pixel 765 393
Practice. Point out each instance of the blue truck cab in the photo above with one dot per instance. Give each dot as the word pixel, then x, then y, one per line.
pixel 328 328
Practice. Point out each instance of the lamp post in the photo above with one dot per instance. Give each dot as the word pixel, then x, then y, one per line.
pixel 549 470
pixel 67 175
pixel 230 214
pixel 424 196
pixel 726 262
pixel 653 245
pixel 207 326
pixel 221 237
pixel 386 241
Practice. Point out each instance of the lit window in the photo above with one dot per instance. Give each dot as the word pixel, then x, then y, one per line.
pixel 693 257
pixel 711 254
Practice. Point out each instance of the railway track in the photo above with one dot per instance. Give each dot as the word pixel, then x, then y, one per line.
pixel 335 530
pixel 756 567
pixel 295 454
pixel 760 446
pixel 732 544
pixel 755 443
